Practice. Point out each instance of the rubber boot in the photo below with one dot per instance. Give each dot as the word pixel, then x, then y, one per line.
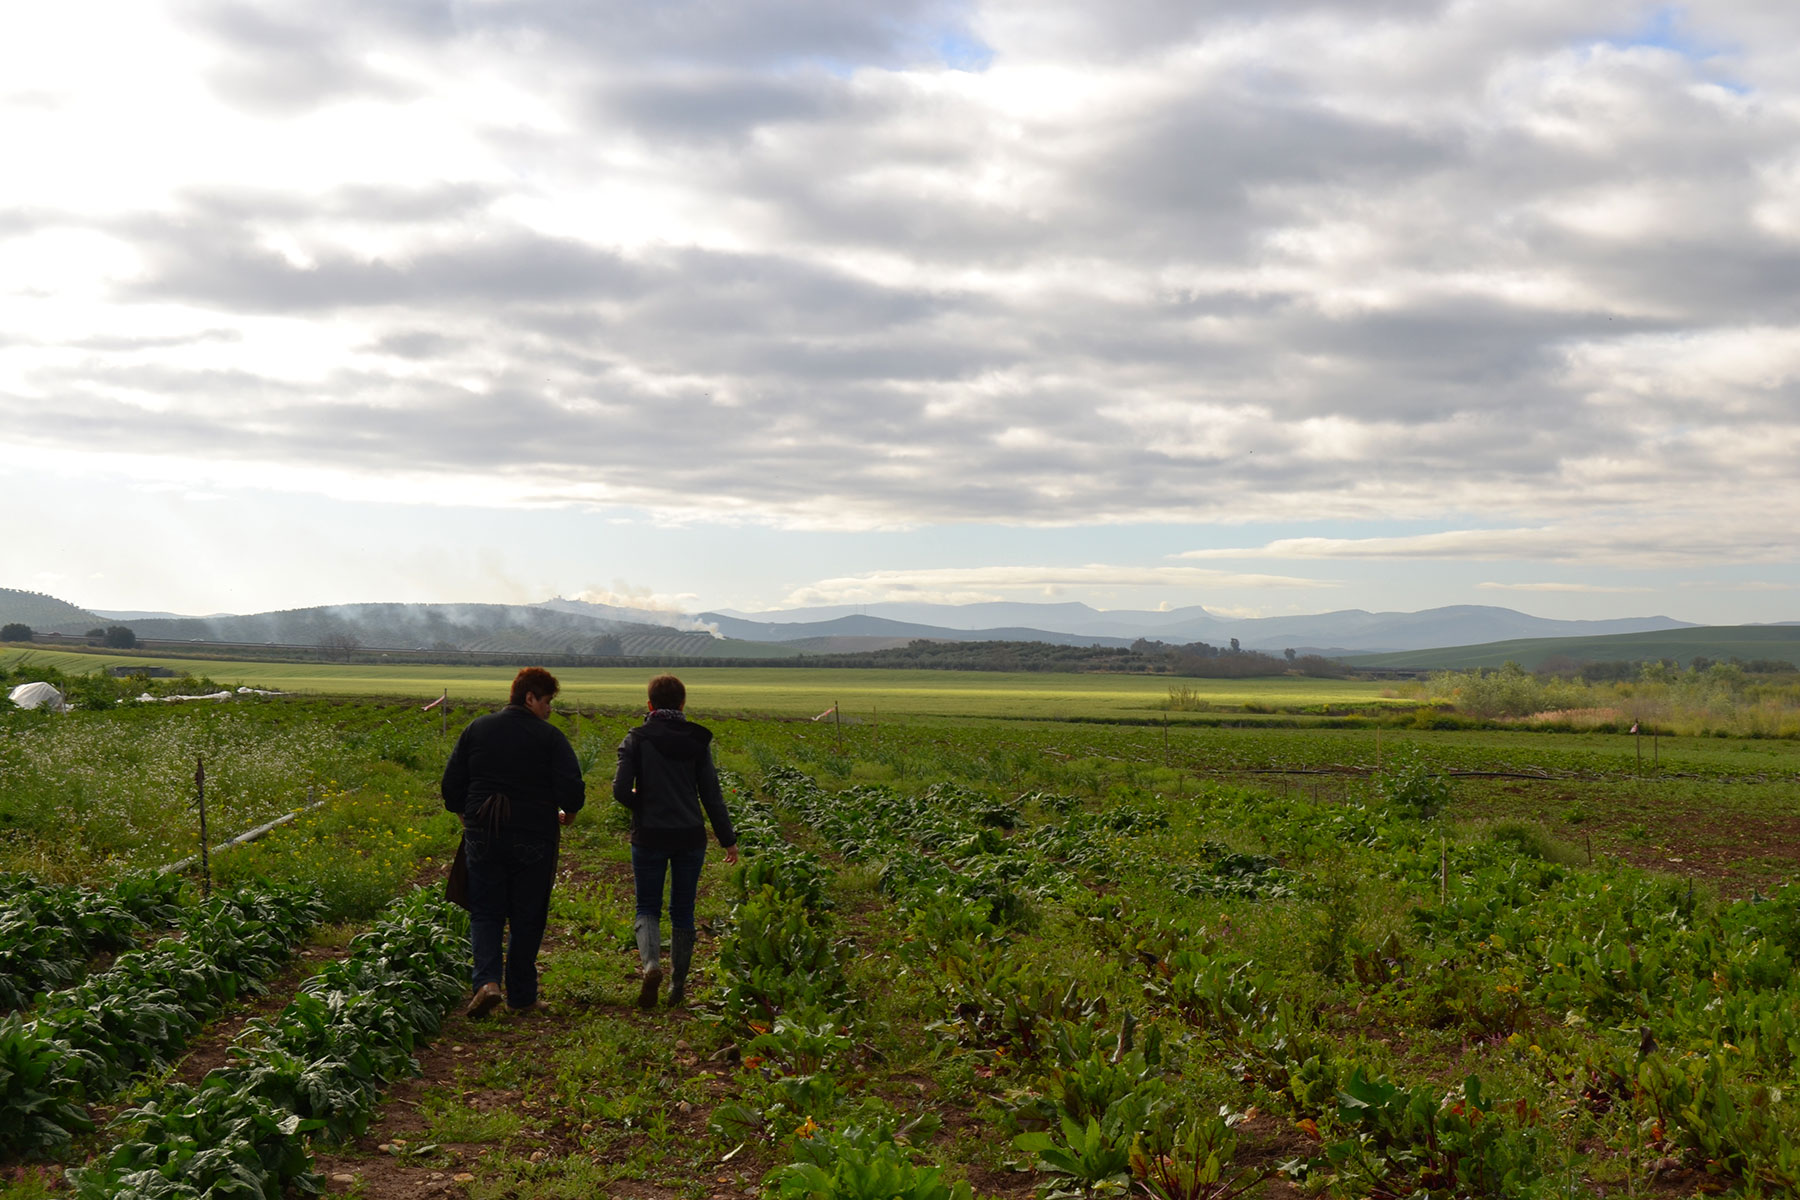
pixel 681 954
pixel 649 940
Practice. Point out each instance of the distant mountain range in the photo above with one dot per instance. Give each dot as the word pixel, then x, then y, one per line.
pixel 884 629
pixel 580 627
pixel 1066 618
pixel 1342 632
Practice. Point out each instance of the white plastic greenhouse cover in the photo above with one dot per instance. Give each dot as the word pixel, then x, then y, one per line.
pixel 32 695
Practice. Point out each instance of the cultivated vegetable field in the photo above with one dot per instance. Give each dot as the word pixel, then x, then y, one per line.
pixel 960 958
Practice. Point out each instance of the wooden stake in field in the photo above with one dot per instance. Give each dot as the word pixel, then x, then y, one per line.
pixel 1637 737
pixel 1165 739
pixel 200 799
pixel 1444 873
pixel 837 719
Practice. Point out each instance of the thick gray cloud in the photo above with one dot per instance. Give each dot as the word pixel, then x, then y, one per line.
pixel 1149 261
pixel 201 263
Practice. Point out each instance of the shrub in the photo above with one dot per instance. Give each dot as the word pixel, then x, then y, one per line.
pixel 1408 786
pixel 1533 841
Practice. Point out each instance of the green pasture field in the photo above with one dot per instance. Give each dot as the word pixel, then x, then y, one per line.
pixel 1715 642
pixel 778 691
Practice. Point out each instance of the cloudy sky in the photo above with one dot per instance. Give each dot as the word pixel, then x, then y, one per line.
pixel 1266 305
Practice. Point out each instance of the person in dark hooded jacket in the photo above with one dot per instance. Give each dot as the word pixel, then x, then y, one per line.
pixel 667 779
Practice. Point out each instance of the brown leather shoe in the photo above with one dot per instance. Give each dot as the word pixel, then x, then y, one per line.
pixel 536 1008
pixel 487 996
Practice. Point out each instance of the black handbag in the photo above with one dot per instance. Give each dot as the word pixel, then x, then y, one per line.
pixel 456 887
pixel 495 812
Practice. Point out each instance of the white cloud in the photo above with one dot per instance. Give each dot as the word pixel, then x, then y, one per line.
pixel 1740 585
pixel 1650 542
pixel 971 585
pixel 1578 588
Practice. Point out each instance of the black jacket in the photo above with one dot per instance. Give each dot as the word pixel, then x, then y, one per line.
pixel 667 779
pixel 521 756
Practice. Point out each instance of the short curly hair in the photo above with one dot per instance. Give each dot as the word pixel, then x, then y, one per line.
pixel 666 691
pixel 534 681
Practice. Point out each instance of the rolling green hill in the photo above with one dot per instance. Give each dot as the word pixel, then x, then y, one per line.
pixel 1717 642
pixel 45 614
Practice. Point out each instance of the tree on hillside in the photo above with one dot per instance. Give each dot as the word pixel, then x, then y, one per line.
pixel 340 645
pixel 17 631
pixel 96 633
pixel 120 638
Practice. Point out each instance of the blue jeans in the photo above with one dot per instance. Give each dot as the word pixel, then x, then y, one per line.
pixel 683 869
pixel 510 876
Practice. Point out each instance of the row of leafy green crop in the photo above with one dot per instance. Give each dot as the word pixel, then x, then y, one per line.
pixel 87 1041
pixel 48 932
pixel 786 999
pixel 313 1071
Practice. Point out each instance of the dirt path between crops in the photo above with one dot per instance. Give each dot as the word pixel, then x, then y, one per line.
pixel 394 1159
pixel 397 1160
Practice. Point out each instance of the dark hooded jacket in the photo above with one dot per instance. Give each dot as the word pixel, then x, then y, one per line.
pixel 667 779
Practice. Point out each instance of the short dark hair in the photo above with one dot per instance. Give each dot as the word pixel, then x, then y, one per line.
pixel 534 681
pixel 666 691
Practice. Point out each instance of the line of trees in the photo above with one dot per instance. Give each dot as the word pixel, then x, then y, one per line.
pixel 1205 661
pixel 1143 657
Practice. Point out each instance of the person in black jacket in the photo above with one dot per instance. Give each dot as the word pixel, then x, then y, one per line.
pixel 514 778
pixel 667 779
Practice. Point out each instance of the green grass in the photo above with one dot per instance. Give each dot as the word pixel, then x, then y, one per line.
pixel 865 695
pixel 1715 642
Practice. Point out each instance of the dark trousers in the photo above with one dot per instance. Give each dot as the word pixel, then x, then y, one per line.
pixel 510 875
pixel 683 869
